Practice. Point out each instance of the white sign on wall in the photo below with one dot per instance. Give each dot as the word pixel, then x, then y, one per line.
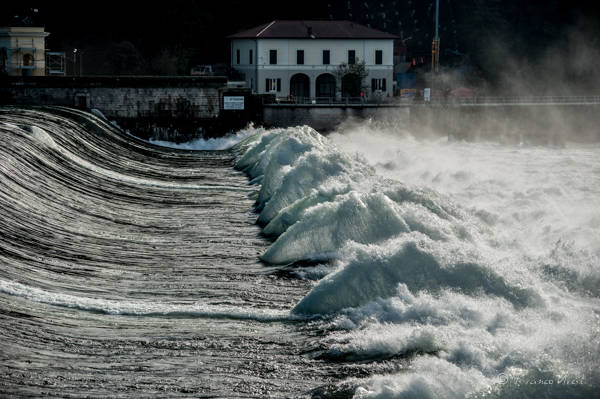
pixel 427 94
pixel 233 102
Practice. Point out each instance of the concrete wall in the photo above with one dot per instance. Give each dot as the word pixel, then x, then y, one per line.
pixel 126 102
pixel 323 118
pixel 178 108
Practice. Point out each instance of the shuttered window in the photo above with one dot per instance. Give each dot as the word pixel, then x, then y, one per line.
pixel 272 85
pixel 378 84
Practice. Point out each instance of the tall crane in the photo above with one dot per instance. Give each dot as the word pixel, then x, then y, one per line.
pixel 435 46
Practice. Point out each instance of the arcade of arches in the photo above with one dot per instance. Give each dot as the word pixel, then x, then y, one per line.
pixel 300 86
pixel 325 86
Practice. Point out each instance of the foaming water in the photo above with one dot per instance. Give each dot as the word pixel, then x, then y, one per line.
pixel 213 143
pixel 398 267
pixel 471 267
pixel 123 306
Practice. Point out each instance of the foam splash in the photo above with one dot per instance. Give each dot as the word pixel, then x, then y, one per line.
pixel 41 136
pixel 471 295
pixel 208 144
pixel 422 264
pixel 141 308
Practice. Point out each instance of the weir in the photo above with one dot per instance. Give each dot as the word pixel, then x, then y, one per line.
pixel 182 281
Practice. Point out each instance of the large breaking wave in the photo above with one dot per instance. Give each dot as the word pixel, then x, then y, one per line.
pixel 483 292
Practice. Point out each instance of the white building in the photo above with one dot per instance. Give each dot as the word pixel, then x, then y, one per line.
pixel 301 58
pixel 22 51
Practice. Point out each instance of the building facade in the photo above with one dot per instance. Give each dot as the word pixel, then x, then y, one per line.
pixel 301 59
pixel 22 51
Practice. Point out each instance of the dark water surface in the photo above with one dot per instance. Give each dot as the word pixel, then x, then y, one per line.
pixel 128 270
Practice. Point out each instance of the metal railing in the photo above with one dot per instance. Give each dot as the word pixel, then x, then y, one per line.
pixel 530 100
pixel 482 100
pixel 332 100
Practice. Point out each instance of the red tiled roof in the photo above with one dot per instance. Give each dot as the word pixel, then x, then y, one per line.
pixel 312 29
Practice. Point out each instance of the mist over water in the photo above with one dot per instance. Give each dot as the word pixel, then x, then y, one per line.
pixel 396 265
pixel 471 266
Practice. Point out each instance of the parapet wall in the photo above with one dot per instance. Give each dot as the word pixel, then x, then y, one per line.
pixel 323 119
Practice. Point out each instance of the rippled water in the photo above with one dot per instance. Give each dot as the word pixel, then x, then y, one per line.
pixel 132 270
pixel 381 265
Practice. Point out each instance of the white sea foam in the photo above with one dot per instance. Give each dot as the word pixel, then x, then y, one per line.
pixel 98 113
pixel 374 271
pixel 477 262
pixel 212 143
pixel 294 212
pixel 308 173
pixel 41 136
pixel 141 308
pixel 428 377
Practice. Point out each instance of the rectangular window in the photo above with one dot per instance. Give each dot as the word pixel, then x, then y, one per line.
pixel 250 57
pixel 326 57
pixel 273 85
pixel 273 57
pixel 300 57
pixel 351 57
pixel 378 57
pixel 237 56
pixel 378 84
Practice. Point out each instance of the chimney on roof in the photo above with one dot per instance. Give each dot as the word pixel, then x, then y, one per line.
pixel 309 31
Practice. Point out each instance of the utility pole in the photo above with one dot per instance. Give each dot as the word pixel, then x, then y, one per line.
pixel 435 46
pixel 74 61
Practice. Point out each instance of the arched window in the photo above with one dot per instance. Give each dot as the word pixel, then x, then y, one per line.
pixel 300 86
pixel 326 86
